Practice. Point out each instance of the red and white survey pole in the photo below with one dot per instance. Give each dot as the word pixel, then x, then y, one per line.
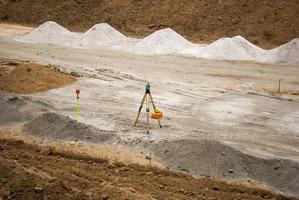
pixel 77 105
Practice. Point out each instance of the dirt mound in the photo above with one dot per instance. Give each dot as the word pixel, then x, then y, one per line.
pixel 56 175
pixel 236 48
pixel 50 33
pixel 287 53
pixel 100 35
pixel 164 41
pixel 10 106
pixel 268 23
pixel 57 127
pixel 28 78
pixel 211 158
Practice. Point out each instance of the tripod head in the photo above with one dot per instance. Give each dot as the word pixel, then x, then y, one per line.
pixel 147 87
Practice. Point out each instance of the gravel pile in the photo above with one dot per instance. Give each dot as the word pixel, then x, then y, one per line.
pixel 164 41
pixel 10 109
pixel 212 158
pixel 57 127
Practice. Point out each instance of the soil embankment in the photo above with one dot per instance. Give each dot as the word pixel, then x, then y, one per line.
pixel 196 157
pixel 28 172
pixel 266 23
pixel 212 158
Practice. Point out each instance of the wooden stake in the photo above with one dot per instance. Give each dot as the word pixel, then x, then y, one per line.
pixel 279 84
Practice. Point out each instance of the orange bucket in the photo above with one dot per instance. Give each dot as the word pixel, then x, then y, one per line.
pixel 157 114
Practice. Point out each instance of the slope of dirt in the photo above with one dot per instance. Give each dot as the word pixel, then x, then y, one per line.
pixel 25 78
pixel 29 172
pixel 58 127
pixel 10 113
pixel 266 23
pixel 212 158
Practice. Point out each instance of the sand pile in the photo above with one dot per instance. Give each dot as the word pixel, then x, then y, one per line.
pixel 164 41
pixel 269 24
pixel 212 158
pixel 28 78
pixel 287 53
pixel 100 35
pixel 49 33
pixel 57 127
pixel 236 48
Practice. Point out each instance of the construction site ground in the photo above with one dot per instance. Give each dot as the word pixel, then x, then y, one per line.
pixel 221 119
pixel 32 171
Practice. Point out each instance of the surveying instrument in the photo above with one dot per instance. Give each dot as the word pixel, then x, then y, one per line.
pixel 148 99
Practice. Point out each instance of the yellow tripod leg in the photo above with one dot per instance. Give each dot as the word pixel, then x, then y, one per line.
pixel 152 100
pixel 142 102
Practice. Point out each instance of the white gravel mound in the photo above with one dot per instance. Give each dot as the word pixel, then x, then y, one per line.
pixel 165 41
pixel 236 48
pixel 100 35
pixel 49 33
pixel 287 53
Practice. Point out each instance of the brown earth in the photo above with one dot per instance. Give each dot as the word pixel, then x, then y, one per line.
pixel 9 30
pixel 281 92
pixel 28 171
pixel 266 23
pixel 25 77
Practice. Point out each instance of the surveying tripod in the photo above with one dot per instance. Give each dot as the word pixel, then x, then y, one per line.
pixel 147 98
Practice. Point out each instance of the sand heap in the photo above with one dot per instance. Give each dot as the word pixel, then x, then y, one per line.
pixel 164 41
pixel 49 33
pixel 58 127
pixel 287 53
pixel 100 35
pixel 29 78
pixel 236 48
pixel 216 159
